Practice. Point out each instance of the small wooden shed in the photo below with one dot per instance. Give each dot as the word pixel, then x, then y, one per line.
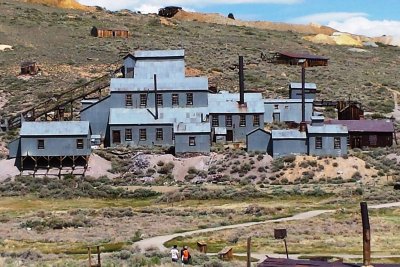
pixel 202 247
pixel 107 33
pixel 29 67
pixel 226 254
pixel 351 111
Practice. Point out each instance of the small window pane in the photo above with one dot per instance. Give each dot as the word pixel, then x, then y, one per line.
pixel 128 134
pixel 143 134
pixel 228 120
pixel 159 100
pixel 215 121
pixel 337 143
pixel 128 100
pixel 189 99
pixel 79 143
pixel 40 144
pixel 175 99
pixel 159 134
pixel 256 120
pixel 143 100
pixel 242 122
pixel 318 142
pixel 192 141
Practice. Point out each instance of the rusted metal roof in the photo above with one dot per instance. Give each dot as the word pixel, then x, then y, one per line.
pixel 302 56
pixel 28 63
pixel 275 262
pixel 377 126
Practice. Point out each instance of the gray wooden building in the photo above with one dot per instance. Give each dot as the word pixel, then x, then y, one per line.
pixel 43 145
pixel 325 139
pixel 286 110
pixel 227 116
pixel 259 140
pixel 295 91
pixel 288 142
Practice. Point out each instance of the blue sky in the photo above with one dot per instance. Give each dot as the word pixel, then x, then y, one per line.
pixel 367 17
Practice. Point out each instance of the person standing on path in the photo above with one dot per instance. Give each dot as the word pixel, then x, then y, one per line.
pixel 185 256
pixel 175 254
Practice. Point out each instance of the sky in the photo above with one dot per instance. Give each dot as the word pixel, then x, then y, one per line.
pixel 365 17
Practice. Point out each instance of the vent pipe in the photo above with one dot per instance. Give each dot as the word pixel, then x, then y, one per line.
pixel 366 235
pixel 303 93
pixel 241 81
pixel 155 96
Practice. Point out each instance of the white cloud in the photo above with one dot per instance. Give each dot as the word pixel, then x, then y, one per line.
pixel 364 26
pixel 154 5
pixel 353 22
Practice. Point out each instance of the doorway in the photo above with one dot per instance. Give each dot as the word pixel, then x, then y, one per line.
pixel 229 135
pixel 116 137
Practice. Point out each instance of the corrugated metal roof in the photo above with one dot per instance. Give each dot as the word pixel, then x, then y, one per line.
pixel 51 128
pixel 284 100
pixel 307 86
pixel 228 103
pixel 159 53
pixel 191 117
pixel 132 84
pixel 302 56
pixel 377 126
pixel 288 134
pixel 327 129
pixel 192 127
pixel 274 262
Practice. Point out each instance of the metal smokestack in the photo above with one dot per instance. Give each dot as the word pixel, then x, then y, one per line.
pixel 303 93
pixel 155 96
pixel 366 235
pixel 241 81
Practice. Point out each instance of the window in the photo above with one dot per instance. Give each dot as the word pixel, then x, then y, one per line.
pixel 228 120
pixel 373 140
pixel 348 140
pixel 79 143
pixel 128 100
pixel 159 100
pixel 189 99
pixel 256 120
pixel 159 134
pixel 337 143
pixel 142 134
pixel 40 144
pixel 143 100
pixel 242 122
pixel 276 106
pixel 215 121
pixel 318 142
pixel 286 107
pixel 192 141
pixel 128 134
pixel 175 99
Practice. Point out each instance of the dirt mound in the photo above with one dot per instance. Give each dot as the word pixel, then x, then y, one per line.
pixel 265 25
pixel 71 4
pixel 337 38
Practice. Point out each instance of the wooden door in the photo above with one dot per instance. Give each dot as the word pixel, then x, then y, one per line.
pixel 116 137
pixel 229 135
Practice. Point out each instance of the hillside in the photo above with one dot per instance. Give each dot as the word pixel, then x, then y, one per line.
pixel 70 4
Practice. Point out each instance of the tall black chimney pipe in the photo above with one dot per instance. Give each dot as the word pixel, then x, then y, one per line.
pixel 303 93
pixel 155 96
pixel 366 235
pixel 241 81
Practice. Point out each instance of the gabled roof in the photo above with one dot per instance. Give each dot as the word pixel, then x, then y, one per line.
pixel 299 86
pixel 275 262
pixel 134 84
pixel 55 128
pixel 259 129
pixel 285 100
pixel 377 126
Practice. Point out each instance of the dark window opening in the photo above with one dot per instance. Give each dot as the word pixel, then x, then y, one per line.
pixel 337 143
pixel 159 134
pixel 242 122
pixel 318 142
pixel 228 120
pixel 189 99
pixel 142 134
pixel 256 120
pixel 128 100
pixel 40 144
pixel 215 121
pixel 79 143
pixel 128 134
pixel 192 141
pixel 143 100
pixel 175 99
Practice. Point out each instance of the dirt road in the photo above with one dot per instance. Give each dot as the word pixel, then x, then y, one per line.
pixel 396 111
pixel 158 241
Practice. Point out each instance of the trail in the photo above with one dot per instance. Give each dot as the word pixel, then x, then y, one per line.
pixel 396 110
pixel 158 241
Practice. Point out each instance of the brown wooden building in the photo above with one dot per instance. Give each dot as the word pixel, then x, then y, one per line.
pixel 368 133
pixel 29 67
pixel 349 110
pixel 290 58
pixel 107 33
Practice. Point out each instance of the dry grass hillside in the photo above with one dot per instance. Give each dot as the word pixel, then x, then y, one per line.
pixel 71 4
pixel 263 25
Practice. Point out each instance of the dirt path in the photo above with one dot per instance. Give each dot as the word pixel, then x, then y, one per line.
pixel 158 241
pixel 396 111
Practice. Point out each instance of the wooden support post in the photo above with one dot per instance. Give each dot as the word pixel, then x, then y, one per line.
pixel 73 163
pixel 72 111
pixel 90 256
pixel 249 252
pixel 366 235
pixel 98 257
